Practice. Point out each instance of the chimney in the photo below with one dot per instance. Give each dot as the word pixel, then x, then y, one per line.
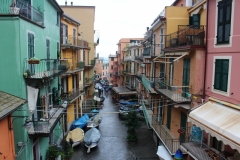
pixel 65 3
pixel 71 3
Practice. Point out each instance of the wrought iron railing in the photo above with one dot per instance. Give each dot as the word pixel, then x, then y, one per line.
pixel 186 35
pixel 171 142
pixel 73 40
pixel 89 63
pixel 88 81
pixel 76 65
pixel 176 93
pixel 72 95
pixel 45 68
pixel 23 9
pixel 147 51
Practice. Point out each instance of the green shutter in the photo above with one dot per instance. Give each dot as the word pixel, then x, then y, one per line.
pixel 224 21
pixel 190 20
pixel 196 20
pixel 183 124
pixel 169 114
pixel 186 76
pixel 221 74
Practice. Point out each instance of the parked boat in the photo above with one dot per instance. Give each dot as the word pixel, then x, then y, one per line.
pixel 75 137
pixel 94 121
pixel 80 123
pixel 91 138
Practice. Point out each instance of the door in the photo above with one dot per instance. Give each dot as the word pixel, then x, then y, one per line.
pixel 169 116
pixel 183 125
pixel 35 149
pixel 186 76
pixel 171 69
pixel 162 76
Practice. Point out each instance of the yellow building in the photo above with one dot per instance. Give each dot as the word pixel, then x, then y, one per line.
pixel 86 15
pixel 72 80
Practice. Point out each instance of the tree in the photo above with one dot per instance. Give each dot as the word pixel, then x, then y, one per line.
pixel 132 123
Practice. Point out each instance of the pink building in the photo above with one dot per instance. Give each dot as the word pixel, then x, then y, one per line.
pixel 219 116
pixel 99 67
pixel 105 71
pixel 113 64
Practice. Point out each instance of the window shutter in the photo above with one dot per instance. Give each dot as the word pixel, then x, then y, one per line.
pixel 218 74
pixel 225 69
pixel 190 20
pixel 67 31
pixel 61 33
pixel 196 19
pixel 228 10
pixel 43 103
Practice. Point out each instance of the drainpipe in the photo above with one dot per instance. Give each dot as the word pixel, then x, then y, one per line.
pixel 205 69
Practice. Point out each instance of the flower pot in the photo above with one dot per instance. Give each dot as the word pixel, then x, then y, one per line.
pixel 33 62
pixel 14 10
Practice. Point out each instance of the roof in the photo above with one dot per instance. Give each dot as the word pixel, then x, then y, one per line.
pixel 71 18
pixel 56 5
pixel 123 90
pixel 9 103
pixel 219 121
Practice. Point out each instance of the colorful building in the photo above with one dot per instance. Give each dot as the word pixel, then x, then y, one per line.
pixel 32 41
pixel 105 71
pixel 217 119
pixel 8 104
pixel 72 80
pixel 112 69
pixel 99 68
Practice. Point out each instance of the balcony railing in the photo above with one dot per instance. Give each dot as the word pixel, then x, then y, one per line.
pixel 89 81
pixel 75 67
pixel 170 141
pixel 45 69
pixel 89 63
pixel 147 51
pixel 139 77
pixel 149 85
pixel 186 35
pixel 24 9
pixel 74 41
pixel 129 58
pixel 73 95
pixel 175 93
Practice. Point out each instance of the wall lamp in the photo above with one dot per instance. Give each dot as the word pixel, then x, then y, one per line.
pixel 10 123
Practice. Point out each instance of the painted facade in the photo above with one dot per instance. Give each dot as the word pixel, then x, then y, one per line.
pixel 71 81
pixel 105 71
pixel 30 36
pixel 86 15
pixel 99 67
pixel 112 69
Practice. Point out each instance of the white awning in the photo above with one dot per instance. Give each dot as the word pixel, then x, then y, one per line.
pixel 163 153
pixel 186 106
pixel 220 121
pixel 178 55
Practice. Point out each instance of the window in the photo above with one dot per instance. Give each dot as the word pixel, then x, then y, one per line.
pixel 48 53
pixel 103 73
pixel 110 75
pixel 224 21
pixel 74 36
pixel 194 20
pixel 111 66
pixel 31 51
pixel 58 19
pixel 112 59
pixel 64 33
pixel 221 74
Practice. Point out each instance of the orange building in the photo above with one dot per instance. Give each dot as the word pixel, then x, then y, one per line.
pixel 8 104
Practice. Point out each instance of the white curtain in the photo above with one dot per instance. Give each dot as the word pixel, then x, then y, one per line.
pixel 32 98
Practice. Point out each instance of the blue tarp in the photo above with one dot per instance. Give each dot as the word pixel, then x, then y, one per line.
pixel 80 123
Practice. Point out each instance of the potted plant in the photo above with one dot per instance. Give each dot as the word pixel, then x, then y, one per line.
pixel 132 123
pixel 13 8
pixel 54 153
pixel 33 60
pixel 68 152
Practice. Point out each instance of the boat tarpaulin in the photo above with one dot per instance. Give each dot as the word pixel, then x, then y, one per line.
pixel 93 135
pixel 80 123
pixel 76 135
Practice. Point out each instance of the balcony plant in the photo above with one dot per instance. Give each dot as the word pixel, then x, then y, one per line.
pixel 54 152
pixel 13 8
pixel 68 151
pixel 33 60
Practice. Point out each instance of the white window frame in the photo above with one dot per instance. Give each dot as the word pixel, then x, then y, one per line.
pixel 216 27
pixel 229 75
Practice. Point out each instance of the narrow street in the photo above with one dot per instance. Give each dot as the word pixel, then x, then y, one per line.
pixel 113 144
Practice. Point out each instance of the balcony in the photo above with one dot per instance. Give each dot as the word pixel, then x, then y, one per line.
pixel 130 72
pixel 24 10
pixel 149 85
pixel 45 69
pixel 170 141
pixel 88 81
pixel 74 67
pixel 73 42
pixel 73 95
pixel 186 36
pixel 178 94
pixel 89 63
pixel 128 58
pixel 44 126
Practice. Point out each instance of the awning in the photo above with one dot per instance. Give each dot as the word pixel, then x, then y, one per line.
pixel 220 121
pixel 186 106
pixel 178 55
pixel 123 91
pixel 163 153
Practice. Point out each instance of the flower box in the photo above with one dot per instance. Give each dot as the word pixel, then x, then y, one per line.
pixel 33 61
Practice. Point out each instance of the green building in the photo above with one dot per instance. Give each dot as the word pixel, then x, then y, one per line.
pixel 30 29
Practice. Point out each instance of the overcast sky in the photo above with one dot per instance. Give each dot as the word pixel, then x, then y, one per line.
pixel 116 19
